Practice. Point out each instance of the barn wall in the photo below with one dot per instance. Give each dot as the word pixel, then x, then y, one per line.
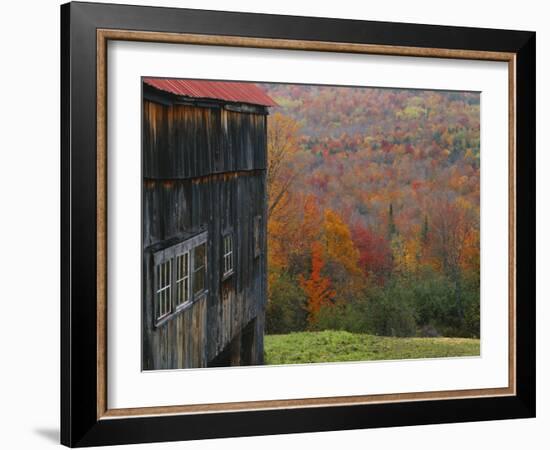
pixel 183 199
pixel 183 141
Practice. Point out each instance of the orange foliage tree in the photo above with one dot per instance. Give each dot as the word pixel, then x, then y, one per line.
pixel 451 232
pixel 292 230
pixel 317 287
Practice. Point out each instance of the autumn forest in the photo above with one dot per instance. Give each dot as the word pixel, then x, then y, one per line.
pixel 373 212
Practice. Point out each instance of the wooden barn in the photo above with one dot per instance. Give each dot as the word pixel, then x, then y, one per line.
pixel 204 223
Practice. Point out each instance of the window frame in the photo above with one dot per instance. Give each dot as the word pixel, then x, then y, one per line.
pixel 170 255
pixel 186 277
pixel 227 273
pixel 194 270
pixel 160 288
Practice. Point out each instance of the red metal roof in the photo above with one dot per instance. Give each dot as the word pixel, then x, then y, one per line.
pixel 231 91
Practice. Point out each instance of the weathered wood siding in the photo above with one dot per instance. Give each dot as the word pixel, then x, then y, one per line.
pixel 182 141
pixel 204 170
pixel 179 342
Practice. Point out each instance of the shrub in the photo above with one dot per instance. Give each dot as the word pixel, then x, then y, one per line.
pixel 471 327
pixel 286 306
pixel 446 306
pixel 352 317
pixel 392 311
pixel 382 312
pixel 434 300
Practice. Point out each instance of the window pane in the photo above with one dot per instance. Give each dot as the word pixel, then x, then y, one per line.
pixel 169 293
pixel 227 254
pixel 163 288
pixel 200 255
pixel 198 280
pixel 199 273
pixel 182 276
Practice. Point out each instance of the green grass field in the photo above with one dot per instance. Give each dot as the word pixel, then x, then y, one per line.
pixel 335 346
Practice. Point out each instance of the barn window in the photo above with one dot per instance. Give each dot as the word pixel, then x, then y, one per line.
pixel 182 279
pixel 199 269
pixel 180 276
pixel 257 236
pixel 227 255
pixel 164 290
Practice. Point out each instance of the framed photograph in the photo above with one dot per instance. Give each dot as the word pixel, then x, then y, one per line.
pixel 276 224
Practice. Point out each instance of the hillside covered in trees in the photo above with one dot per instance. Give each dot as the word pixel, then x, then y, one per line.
pixel 373 211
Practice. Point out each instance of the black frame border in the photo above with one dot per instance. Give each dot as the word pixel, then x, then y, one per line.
pixel 79 423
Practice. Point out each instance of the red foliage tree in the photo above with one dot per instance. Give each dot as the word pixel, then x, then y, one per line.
pixel 374 251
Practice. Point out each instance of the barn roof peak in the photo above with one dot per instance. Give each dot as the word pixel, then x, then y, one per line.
pixel 231 91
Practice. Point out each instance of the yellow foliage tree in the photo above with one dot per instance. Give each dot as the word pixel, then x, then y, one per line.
pixel 282 146
pixel 412 255
pixel 339 245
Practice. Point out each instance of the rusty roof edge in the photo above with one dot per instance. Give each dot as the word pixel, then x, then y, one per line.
pixel 206 90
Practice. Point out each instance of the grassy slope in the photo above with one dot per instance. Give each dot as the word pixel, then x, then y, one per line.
pixel 333 346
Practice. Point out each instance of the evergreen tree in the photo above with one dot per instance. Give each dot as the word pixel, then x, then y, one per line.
pixel 425 230
pixel 392 229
